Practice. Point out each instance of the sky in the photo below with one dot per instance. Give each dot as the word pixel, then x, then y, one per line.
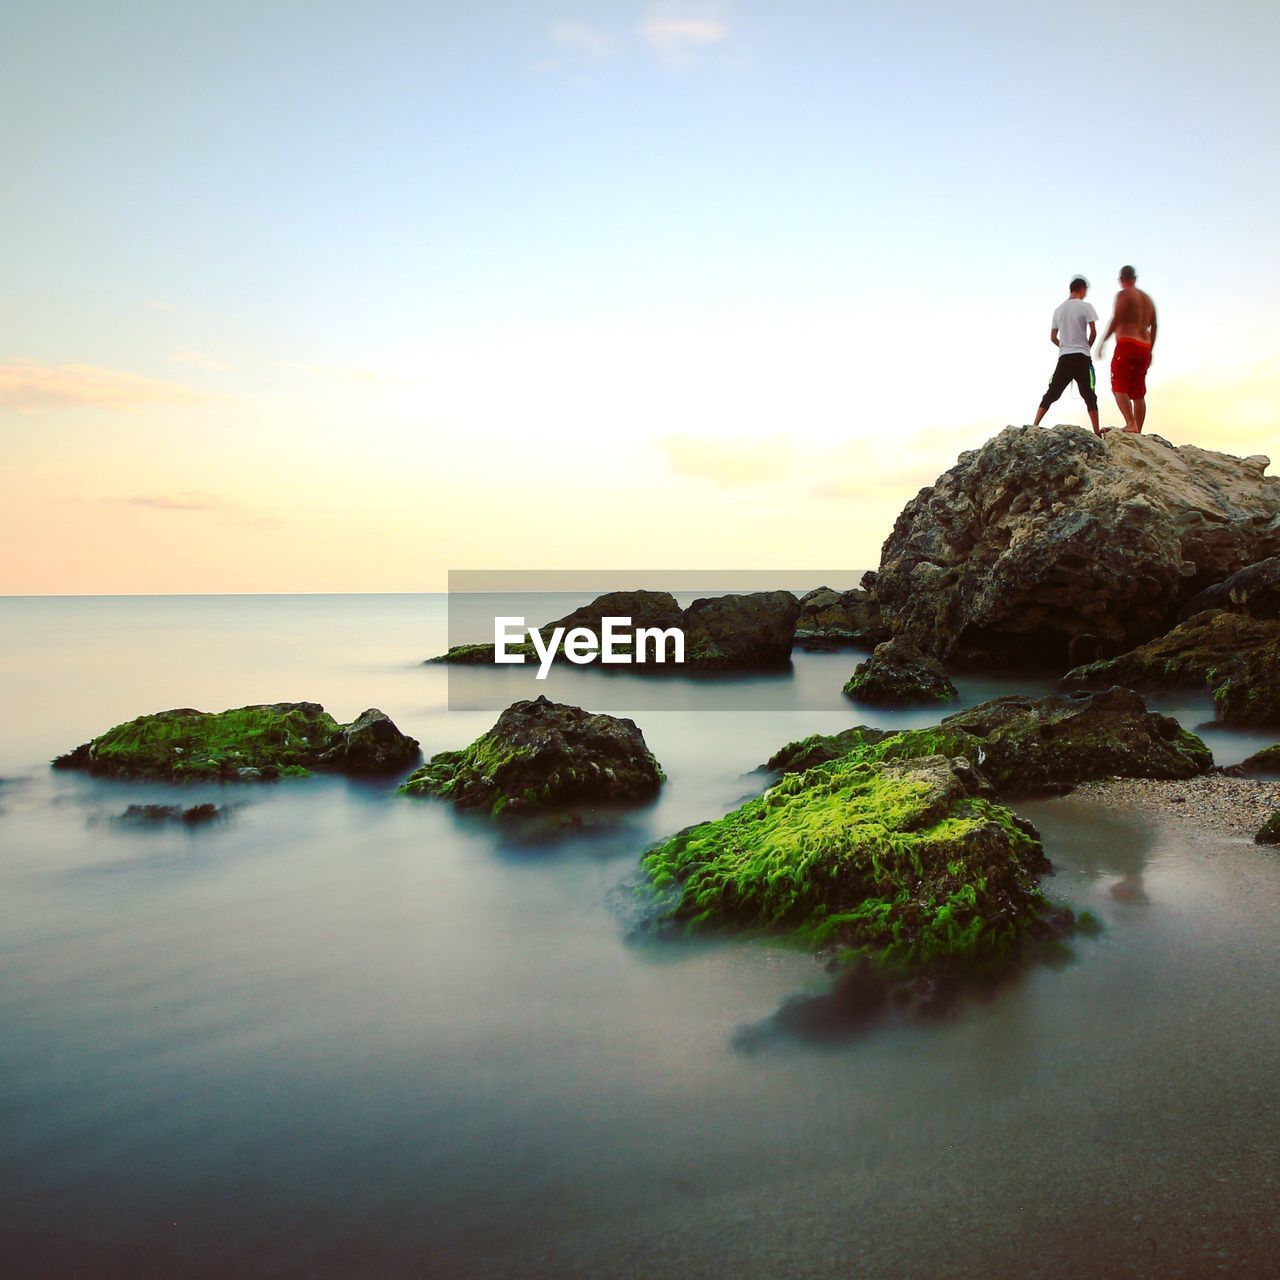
pixel 327 297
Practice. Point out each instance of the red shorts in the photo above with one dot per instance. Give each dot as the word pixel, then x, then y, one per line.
pixel 1129 367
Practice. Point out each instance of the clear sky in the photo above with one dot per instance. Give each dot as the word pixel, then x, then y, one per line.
pixel 336 297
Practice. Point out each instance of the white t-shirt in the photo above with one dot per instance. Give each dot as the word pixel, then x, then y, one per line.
pixel 1072 321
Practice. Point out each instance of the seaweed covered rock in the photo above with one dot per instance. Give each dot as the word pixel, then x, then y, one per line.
pixel 1269 832
pixel 898 675
pixel 912 862
pixel 1234 656
pixel 1044 536
pixel 830 618
pixel 1254 590
pixel 249 743
pixel 541 755
pixel 1030 746
pixel 753 631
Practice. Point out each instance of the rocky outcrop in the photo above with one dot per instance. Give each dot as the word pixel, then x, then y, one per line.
pixel 898 675
pixel 1265 761
pixel 543 755
pixel 1254 590
pixel 1042 540
pixel 1233 656
pixel 1039 746
pixel 753 631
pixel 911 861
pixel 247 743
pixel 1029 746
pixel 829 619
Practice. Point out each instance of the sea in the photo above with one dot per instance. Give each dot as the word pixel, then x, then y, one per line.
pixel 343 1033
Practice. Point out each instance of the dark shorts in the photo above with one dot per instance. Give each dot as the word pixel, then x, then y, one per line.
pixel 1075 367
pixel 1129 365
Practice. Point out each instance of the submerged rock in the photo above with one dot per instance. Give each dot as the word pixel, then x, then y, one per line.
pixel 247 743
pixel 1030 746
pixel 541 755
pixel 753 631
pixel 1254 590
pixel 1233 656
pixel 1043 536
pixel 898 675
pixel 192 816
pixel 832 618
pixel 910 861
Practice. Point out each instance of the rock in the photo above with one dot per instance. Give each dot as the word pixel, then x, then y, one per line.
pixel 1254 590
pixel 912 862
pixel 1042 535
pixel 1233 656
pixel 192 816
pixel 250 743
pixel 737 632
pixel 754 631
pixel 1029 746
pixel 1246 691
pixel 898 675
pixel 829 619
pixel 819 748
pixel 1265 761
pixel 1269 832
pixel 540 755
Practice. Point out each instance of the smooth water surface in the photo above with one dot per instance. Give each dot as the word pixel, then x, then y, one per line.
pixel 343 1033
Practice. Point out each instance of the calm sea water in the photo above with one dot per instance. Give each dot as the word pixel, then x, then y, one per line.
pixel 347 1034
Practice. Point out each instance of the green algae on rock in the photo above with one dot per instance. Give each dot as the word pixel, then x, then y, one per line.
pixel 248 743
pixel 540 755
pixel 1269 832
pixel 898 675
pixel 1026 746
pixel 912 862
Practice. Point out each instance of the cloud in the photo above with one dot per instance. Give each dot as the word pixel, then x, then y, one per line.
pixel 730 464
pixel 189 500
pixel 199 360
pixel 26 385
pixel 332 374
pixel 585 40
pixel 677 33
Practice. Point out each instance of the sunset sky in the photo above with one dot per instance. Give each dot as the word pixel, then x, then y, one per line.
pixel 320 297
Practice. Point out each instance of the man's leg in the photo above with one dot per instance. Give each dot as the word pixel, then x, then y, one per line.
pixel 1057 385
pixel 1125 405
pixel 1086 382
pixel 1139 412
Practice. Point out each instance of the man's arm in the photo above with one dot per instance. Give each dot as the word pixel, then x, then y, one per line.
pixel 1093 332
pixel 1153 326
pixel 1053 337
pixel 1115 313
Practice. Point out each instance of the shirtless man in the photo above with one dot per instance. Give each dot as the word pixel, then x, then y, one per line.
pixel 1133 321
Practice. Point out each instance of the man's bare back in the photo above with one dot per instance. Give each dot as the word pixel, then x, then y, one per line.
pixel 1135 315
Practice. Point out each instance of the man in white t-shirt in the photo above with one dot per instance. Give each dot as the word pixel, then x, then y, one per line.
pixel 1075 326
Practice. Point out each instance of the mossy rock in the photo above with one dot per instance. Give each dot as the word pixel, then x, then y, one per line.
pixel 1029 746
pixel 1246 690
pixel 1026 746
pixel 1269 832
pixel 898 675
pixel 1265 761
pixel 544 755
pixel 911 861
pixel 275 740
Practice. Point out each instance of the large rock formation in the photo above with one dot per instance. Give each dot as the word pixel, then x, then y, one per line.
pixel 542 755
pixel 248 743
pixel 721 633
pixel 1045 538
pixel 898 675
